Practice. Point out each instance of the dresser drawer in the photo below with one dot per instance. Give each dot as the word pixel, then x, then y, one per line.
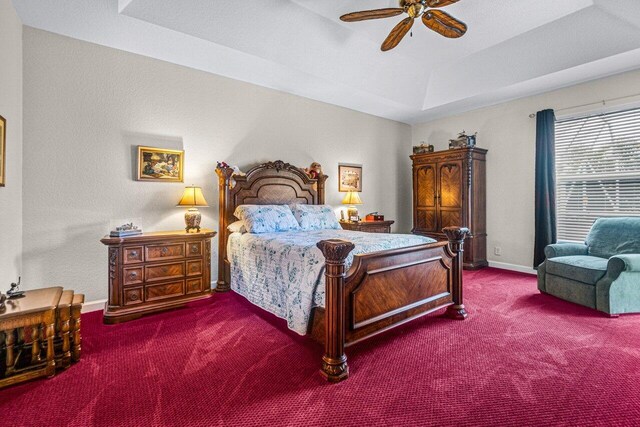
pixel 132 255
pixel 164 252
pixel 194 268
pixel 194 249
pixel 132 275
pixel 133 296
pixel 173 270
pixel 164 291
pixel 194 286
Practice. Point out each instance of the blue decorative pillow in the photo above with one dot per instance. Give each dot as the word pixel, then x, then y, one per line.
pixel 266 218
pixel 315 217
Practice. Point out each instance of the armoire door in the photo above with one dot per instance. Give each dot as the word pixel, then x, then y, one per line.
pixel 426 201
pixel 450 204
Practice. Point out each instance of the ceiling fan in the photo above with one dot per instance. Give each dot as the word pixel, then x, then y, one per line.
pixel 435 19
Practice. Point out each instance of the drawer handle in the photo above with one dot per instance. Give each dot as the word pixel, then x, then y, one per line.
pixel 133 275
pixel 164 250
pixel 133 297
pixel 134 254
pixel 194 248
pixel 165 269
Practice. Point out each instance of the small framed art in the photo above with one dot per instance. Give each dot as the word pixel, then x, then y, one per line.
pixel 3 148
pixel 160 164
pixel 350 177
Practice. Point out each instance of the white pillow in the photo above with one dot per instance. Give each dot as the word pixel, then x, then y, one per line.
pixel 315 217
pixel 266 218
pixel 237 227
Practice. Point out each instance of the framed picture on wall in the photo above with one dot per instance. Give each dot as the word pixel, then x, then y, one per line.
pixel 160 164
pixel 3 148
pixel 349 177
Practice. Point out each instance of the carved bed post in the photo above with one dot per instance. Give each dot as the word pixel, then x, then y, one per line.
pixel 456 237
pixel 322 178
pixel 334 361
pixel 224 179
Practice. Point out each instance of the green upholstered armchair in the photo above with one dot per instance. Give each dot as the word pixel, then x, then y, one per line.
pixel 603 273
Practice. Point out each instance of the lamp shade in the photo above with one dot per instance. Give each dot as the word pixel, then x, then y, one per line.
pixel 352 198
pixel 192 197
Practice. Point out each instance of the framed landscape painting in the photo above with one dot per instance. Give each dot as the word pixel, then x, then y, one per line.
pixel 159 164
pixel 3 148
pixel 350 177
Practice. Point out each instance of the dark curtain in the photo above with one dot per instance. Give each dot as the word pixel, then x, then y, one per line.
pixel 545 184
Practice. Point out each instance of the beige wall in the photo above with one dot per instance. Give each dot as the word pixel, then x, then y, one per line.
pixel 11 110
pixel 87 106
pixel 509 134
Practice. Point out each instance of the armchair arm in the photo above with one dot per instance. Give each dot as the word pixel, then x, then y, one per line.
pixel 565 249
pixel 619 263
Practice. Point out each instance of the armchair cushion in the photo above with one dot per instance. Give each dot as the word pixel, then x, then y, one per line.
pixel 565 249
pixel 614 236
pixel 583 268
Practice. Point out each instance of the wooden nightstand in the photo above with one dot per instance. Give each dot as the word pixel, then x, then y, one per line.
pixel 368 226
pixel 156 271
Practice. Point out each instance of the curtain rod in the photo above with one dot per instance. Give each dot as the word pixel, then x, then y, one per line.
pixel 603 102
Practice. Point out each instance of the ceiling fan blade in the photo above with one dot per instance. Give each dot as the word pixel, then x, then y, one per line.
pixel 371 14
pixel 440 3
pixel 396 35
pixel 443 23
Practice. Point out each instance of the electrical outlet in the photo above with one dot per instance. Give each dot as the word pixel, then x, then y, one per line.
pixel 497 251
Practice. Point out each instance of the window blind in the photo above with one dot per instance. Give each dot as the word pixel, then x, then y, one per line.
pixel 597 170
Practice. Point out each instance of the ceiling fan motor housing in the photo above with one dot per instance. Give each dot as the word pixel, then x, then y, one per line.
pixel 414 8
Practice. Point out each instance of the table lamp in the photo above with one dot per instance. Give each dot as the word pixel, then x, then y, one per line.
pixel 192 198
pixel 352 198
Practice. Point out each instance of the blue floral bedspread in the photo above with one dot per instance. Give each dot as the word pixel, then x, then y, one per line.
pixel 283 273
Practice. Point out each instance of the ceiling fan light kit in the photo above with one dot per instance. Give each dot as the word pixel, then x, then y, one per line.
pixel 433 18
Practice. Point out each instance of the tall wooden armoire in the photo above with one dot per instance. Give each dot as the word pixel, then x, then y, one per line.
pixel 449 189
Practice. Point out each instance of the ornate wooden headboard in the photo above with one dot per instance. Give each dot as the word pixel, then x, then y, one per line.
pixel 271 183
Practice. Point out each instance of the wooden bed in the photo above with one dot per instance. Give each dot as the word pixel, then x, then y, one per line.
pixel 381 290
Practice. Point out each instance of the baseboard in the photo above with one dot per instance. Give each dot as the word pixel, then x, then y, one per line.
pixel 512 267
pixel 93 305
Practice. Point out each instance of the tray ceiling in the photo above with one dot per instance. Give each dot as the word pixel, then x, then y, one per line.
pixel 512 49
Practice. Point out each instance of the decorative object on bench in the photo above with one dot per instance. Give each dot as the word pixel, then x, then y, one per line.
pixel 463 141
pixel 192 198
pixel 14 291
pixel 125 230
pixel 156 271
pixel 368 226
pixel 160 164
pixel 603 273
pixel 382 289
pixel 449 189
pixel 352 198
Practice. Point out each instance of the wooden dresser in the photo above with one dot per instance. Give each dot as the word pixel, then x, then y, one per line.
pixel 449 189
pixel 368 226
pixel 156 271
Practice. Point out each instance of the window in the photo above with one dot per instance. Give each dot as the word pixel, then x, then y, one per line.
pixel 597 170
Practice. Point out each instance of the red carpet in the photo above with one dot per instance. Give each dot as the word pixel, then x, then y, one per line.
pixel 521 358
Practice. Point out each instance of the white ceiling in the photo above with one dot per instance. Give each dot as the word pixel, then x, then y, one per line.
pixel 513 48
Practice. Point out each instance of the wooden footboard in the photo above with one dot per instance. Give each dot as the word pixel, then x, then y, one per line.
pixel 383 290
